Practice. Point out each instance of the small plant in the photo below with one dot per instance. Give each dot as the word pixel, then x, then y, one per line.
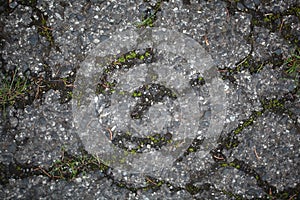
pixel 293 62
pixel 11 89
pixel 69 167
pixel 149 21
pixel 150 17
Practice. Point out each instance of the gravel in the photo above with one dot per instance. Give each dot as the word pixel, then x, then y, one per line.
pixel 264 163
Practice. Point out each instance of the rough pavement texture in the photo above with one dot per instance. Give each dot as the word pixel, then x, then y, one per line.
pixel 43 42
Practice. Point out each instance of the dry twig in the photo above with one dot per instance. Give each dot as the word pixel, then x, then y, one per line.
pixel 256 154
pixel 110 133
pixel 149 180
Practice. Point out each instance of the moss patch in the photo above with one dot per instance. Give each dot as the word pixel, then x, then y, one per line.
pixel 150 14
pixel 120 62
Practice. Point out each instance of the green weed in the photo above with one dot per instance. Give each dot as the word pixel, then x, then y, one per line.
pixel 148 21
pixel 12 89
pixel 293 63
pixel 69 167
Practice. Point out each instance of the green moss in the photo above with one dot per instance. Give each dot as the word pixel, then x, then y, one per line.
pixel 245 63
pixel 147 54
pixel 293 10
pixel 275 22
pixel 155 139
pixel 191 149
pixel 131 55
pixel 192 189
pixel 105 87
pixel 150 19
pixel 160 183
pixel 233 164
pixel 258 113
pixel 147 22
pixel 238 129
pixel 198 81
pixel 245 124
pixel 248 122
pixel 70 94
pixel 121 92
pixel 271 17
pixel 232 144
pixel 122 59
pixel 231 141
pixel 224 165
pixel 121 185
pixel 285 195
pixel 273 104
pixel 123 160
pixel 133 151
pixel 19 168
pixel 255 22
pixel 137 94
